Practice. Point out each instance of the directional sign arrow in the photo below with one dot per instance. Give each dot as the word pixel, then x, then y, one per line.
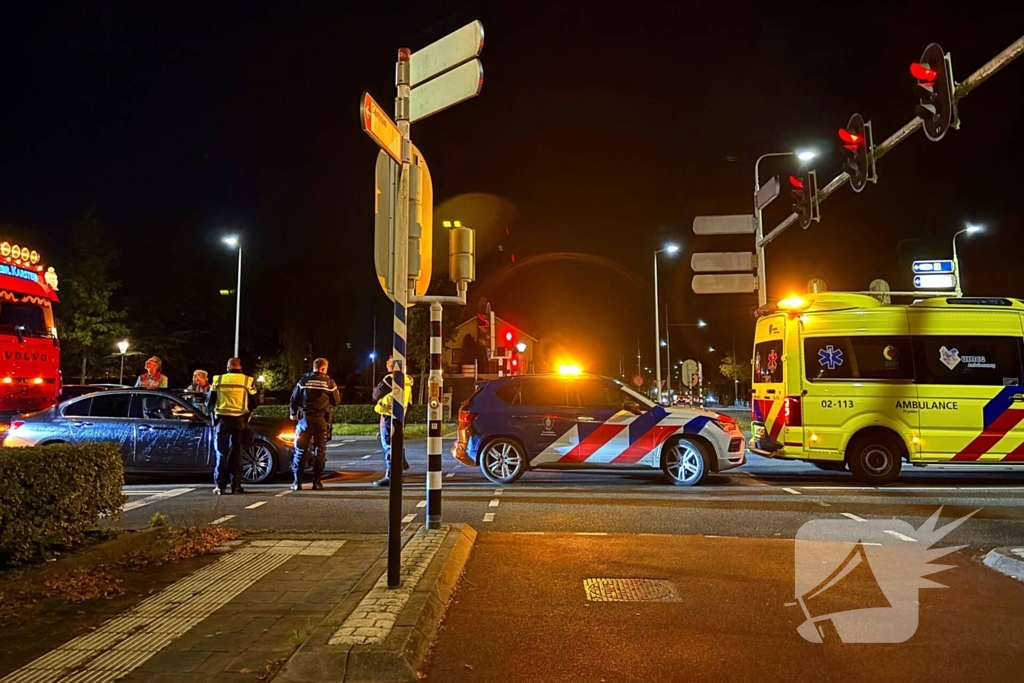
pixel 942 266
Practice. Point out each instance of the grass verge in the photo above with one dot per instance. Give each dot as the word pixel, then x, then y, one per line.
pixel 412 431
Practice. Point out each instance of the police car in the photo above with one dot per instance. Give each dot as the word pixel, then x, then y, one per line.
pixel 526 422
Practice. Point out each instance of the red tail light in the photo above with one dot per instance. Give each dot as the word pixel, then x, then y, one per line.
pixel 466 418
pixel 794 414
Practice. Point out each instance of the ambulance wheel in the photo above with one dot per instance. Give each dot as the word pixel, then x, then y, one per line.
pixel 684 462
pixel 503 460
pixel 875 458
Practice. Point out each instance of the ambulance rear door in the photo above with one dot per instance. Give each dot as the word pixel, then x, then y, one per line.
pixel 767 402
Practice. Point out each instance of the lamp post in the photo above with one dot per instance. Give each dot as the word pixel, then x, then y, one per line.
pixel 970 230
pixel 122 346
pixel 233 241
pixel 261 381
pixel 762 287
pixel 671 249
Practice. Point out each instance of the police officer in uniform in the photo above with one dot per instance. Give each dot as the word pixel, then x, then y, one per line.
pixel 382 395
pixel 310 404
pixel 233 396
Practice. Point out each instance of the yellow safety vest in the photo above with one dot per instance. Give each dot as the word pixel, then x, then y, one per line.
pixel 383 406
pixel 233 392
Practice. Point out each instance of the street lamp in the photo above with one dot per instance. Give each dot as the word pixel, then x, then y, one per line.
pixel 233 241
pixel 122 346
pixel 804 155
pixel 970 230
pixel 671 249
pixel 373 368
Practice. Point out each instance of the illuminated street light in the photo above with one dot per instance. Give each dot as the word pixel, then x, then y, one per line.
pixel 806 154
pixel 701 323
pixel 122 346
pixel 521 347
pixel 233 241
pixel 970 230
pixel 671 249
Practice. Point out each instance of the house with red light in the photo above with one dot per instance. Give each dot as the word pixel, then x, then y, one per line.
pixel 515 351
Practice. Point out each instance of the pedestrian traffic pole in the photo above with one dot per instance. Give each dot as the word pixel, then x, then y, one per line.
pixel 434 419
pixel 400 270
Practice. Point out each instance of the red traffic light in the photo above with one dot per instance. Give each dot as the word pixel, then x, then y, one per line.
pixel 515 362
pixel 852 140
pixel 508 336
pixel 923 72
pixel 796 182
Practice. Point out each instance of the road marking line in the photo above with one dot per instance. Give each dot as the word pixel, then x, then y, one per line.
pixel 497 492
pixel 222 519
pixel 853 517
pixel 408 518
pixel 529 533
pixel 366 457
pixel 421 504
pixel 793 491
pixel 494 503
pixel 131 638
pixel 449 475
pixel 283 493
pixel 163 495
pixel 591 533
pixel 489 517
pixel 902 537
pixel 255 505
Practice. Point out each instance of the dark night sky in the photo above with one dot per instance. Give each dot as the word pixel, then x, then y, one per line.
pixel 600 132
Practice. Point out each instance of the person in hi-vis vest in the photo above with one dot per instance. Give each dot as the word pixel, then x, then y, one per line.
pixel 382 395
pixel 232 396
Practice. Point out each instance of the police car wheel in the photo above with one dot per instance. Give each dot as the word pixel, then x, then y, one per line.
pixel 257 463
pixel 684 462
pixel 503 461
pixel 876 459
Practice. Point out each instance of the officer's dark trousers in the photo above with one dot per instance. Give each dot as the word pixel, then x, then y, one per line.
pixel 310 441
pixel 230 432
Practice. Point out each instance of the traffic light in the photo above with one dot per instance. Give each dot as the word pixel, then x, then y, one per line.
pixel 934 74
pixel 859 149
pixel 805 201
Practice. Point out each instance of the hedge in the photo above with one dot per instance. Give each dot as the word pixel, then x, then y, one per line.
pixel 359 414
pixel 53 495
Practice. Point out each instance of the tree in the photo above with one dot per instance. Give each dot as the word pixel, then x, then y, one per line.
pixel 88 324
pixel 735 370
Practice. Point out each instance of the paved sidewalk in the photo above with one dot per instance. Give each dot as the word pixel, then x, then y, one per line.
pixel 237 619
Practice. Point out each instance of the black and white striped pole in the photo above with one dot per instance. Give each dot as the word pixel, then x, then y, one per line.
pixel 434 419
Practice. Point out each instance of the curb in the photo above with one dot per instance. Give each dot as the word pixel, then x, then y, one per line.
pixel 404 651
pixel 1009 561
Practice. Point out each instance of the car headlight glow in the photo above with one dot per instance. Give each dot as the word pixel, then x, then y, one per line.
pixel 287 437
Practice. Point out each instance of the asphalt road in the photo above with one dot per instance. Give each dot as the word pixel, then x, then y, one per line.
pixel 763 499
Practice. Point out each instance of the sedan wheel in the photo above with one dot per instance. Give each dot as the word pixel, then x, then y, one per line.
pixel 257 463
pixel 684 463
pixel 503 461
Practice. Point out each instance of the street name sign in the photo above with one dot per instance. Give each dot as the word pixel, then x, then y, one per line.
pixel 943 266
pixel 723 225
pixel 450 88
pixel 447 53
pixel 934 281
pixel 723 262
pixel 379 126
pixel 739 283
pixel 767 194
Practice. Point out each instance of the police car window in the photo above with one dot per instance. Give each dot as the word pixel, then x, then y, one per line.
pixel 978 361
pixel 599 395
pixel 768 362
pixel 78 408
pixel 110 405
pixel 875 357
pixel 538 392
pixel 508 393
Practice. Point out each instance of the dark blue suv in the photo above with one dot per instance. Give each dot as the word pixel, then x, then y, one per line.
pixel 585 421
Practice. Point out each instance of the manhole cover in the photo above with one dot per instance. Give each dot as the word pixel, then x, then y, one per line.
pixel 630 590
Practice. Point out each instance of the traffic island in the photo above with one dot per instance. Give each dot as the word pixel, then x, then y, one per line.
pixel 384 635
pixel 1009 561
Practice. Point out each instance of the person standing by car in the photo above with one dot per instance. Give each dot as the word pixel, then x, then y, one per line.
pixel 200 382
pixel 310 404
pixel 152 378
pixel 382 395
pixel 232 396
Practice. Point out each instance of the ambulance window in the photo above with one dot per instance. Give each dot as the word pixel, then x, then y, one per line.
pixel 978 361
pixel 859 358
pixel 768 362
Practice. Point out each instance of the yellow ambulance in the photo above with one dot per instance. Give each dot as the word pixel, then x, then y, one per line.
pixel 844 380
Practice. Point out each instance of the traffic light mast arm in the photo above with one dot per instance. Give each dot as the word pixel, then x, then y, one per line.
pixel 972 82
